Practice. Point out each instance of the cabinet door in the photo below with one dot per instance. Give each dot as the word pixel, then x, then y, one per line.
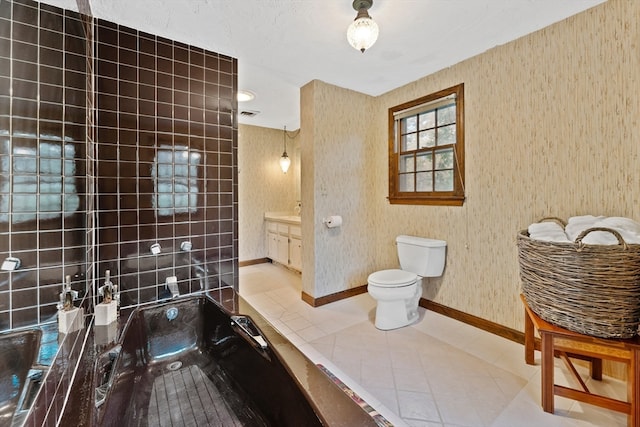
pixel 295 253
pixel 283 249
pixel 272 246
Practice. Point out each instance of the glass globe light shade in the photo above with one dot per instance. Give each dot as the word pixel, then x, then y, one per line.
pixel 285 162
pixel 362 33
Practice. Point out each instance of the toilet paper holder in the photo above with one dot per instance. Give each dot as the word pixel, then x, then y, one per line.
pixel 332 221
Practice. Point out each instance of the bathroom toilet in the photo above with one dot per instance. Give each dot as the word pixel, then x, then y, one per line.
pixel 397 292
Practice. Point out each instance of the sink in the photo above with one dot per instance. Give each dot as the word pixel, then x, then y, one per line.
pixel 293 219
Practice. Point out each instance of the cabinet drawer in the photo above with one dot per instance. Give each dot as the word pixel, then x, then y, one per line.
pixel 272 226
pixel 295 230
pixel 283 229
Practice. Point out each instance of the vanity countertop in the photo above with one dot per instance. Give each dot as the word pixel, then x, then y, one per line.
pixel 286 217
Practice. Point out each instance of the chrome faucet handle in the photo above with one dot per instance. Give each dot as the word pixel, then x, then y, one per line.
pixel 67 296
pixel 171 283
pixel 106 290
pixel 116 295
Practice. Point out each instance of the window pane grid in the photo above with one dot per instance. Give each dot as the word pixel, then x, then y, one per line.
pixel 424 181
pixel 407 182
pixel 427 149
pixel 425 165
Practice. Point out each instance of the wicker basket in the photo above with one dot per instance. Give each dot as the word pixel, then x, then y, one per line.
pixel 590 289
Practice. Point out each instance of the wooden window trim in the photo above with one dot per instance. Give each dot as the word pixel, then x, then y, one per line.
pixel 435 198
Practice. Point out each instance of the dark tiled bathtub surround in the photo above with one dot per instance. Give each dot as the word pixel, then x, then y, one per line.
pixel 166 164
pixel 165 167
pixel 93 176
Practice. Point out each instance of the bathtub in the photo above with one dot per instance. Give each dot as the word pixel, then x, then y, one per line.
pixel 25 358
pixel 191 362
pixel 18 354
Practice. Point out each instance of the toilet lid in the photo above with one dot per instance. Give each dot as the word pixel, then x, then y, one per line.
pixel 392 278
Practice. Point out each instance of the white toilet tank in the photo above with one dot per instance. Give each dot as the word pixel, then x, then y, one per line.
pixel 422 256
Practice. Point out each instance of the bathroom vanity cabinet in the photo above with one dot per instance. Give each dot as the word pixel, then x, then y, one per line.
pixel 284 240
pixel 295 247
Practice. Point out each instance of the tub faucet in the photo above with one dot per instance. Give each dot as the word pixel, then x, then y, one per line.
pixel 109 291
pixel 67 296
pixel 171 284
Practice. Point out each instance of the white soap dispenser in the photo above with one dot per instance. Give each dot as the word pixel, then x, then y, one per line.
pixel 70 318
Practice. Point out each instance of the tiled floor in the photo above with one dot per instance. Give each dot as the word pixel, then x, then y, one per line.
pixel 436 372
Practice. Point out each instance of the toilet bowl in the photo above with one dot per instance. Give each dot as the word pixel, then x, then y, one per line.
pixel 398 291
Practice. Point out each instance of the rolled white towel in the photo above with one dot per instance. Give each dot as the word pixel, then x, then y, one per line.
pixel 628 229
pixel 555 237
pixel 629 237
pixel 600 238
pixel 577 224
pixel 621 223
pixel 544 227
pixel 547 231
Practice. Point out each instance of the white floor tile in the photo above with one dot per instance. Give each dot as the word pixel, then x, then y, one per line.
pixel 437 372
pixel 417 406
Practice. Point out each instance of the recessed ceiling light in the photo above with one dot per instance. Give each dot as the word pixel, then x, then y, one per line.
pixel 245 95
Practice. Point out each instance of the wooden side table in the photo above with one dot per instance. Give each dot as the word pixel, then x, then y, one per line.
pixel 568 344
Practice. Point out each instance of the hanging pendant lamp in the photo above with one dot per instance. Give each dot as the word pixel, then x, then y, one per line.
pixel 285 161
pixel 363 31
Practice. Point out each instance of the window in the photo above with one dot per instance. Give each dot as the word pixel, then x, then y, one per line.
pixel 175 173
pixel 426 150
pixel 38 181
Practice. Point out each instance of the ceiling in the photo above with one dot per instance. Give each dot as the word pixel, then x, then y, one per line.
pixel 283 44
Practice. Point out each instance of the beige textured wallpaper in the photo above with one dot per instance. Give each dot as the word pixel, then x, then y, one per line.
pixel 551 129
pixel 551 124
pixel 337 150
pixel 262 187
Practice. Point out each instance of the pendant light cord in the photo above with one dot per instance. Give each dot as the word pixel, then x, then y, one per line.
pixel 286 134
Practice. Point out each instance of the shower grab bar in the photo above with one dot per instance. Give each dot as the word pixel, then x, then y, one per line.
pixel 246 327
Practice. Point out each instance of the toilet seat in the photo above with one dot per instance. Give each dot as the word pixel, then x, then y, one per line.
pixel 394 278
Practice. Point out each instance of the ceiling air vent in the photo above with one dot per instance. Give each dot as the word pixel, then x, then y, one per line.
pixel 249 113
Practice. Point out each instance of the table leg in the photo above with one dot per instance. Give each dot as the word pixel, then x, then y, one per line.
pixel 547 371
pixel 596 369
pixel 529 339
pixel 633 394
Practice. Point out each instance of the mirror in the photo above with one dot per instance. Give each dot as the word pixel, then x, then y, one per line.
pixel 43 194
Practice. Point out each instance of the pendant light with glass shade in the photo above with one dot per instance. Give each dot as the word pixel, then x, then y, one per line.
pixel 363 31
pixel 285 161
